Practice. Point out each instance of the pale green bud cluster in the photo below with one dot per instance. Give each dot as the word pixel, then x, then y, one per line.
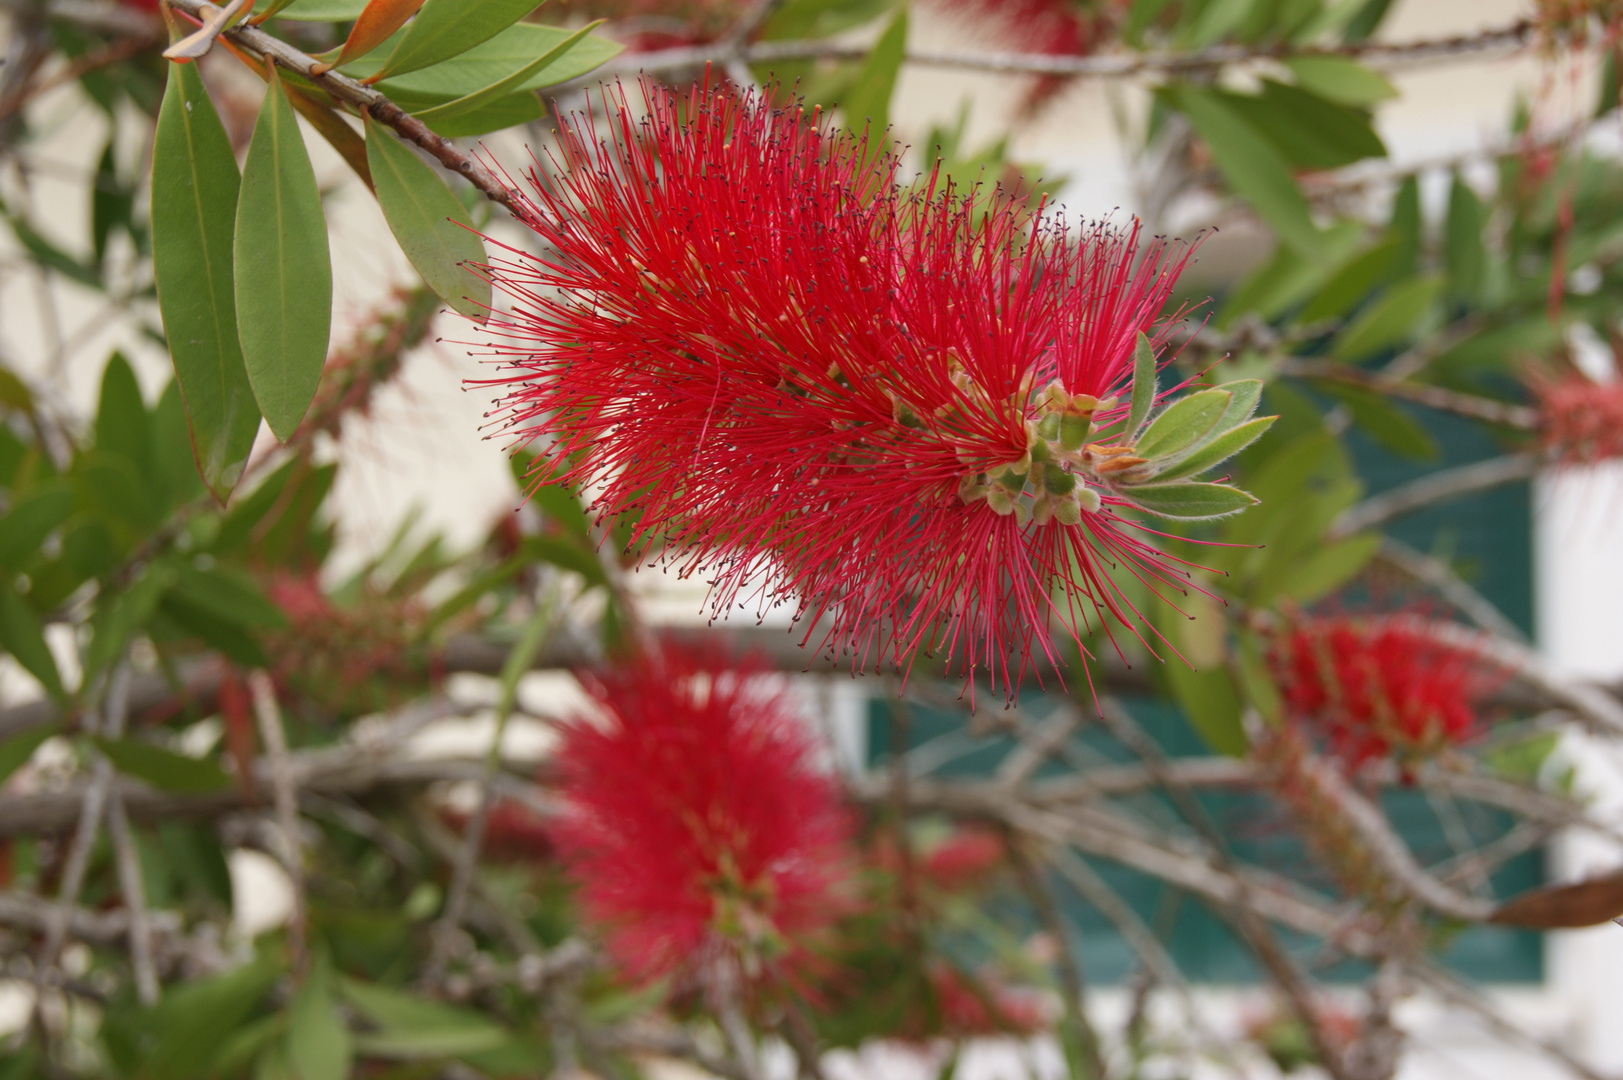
pixel 1070 464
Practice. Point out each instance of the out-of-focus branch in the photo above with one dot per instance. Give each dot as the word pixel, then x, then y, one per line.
pixel 1108 67
pixel 1434 488
pixel 1437 574
pixel 285 791
pixel 1435 397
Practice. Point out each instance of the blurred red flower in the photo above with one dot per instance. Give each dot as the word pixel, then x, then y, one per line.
pixel 756 347
pixel 1381 688
pixel 967 1006
pixel 1580 421
pixel 697 824
pixel 967 857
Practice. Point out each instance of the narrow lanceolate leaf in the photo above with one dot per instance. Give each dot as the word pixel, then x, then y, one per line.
pixel 15 751
pixel 433 228
pixel 867 104
pixel 23 637
pixel 1143 385
pixel 1189 502
pixel 163 769
pixel 372 28
pixel 1220 449
pixel 283 270
pixel 500 88
pixel 194 186
pixel 1252 165
pixel 318 1041
pixel 1184 423
pixel 447 28
pixel 1245 394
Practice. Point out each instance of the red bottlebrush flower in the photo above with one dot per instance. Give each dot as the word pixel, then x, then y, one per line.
pixel 697 824
pixel 966 1007
pixel 1381 688
pixel 747 340
pixel 513 832
pixel 964 858
pixel 1580 421
pixel 1049 27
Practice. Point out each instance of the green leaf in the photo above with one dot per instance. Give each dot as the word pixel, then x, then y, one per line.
pixel 1389 320
pixel 1256 681
pixel 470 103
pixel 1144 386
pixel 505 112
pixel 1384 421
pixel 1244 394
pixel 324 10
pixel 416 1028
pixel 112 488
pixel 110 203
pixel 1308 131
pixel 230 594
pixel 283 269
pixel 1353 282
pixel 410 1044
pixel 163 769
pixel 484 64
pixel 23 636
pixel 196 1020
pixel 49 255
pixel 35 514
pixel 195 174
pixel 1405 226
pixel 221 633
pixel 566 554
pixel 1184 423
pixel 1341 79
pixel 15 751
pixel 1367 20
pixel 447 28
pixel 318 1043
pixel 1220 449
pixel 1463 252
pixel 119 616
pixel 867 104
pixel 1188 501
pixel 1215 21
pixel 1209 701
pixel 172 449
pixel 123 427
pixel 1253 167
pixel 1321 571
pixel 431 225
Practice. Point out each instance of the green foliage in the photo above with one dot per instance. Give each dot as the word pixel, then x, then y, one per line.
pixel 431 226
pixel 282 269
pixel 192 229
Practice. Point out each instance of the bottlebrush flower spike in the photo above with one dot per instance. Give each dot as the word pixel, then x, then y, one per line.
pixel 901 412
pixel 1381 689
pixel 1580 421
pixel 698 826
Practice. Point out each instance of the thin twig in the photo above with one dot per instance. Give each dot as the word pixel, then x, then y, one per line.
pixel 1073 987
pixel 1109 67
pixel 134 892
pixel 363 98
pixel 284 788
pixel 129 863
pixel 1435 397
pixel 1436 573
pixel 1241 912
pixel 1434 488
